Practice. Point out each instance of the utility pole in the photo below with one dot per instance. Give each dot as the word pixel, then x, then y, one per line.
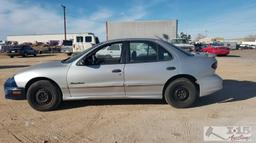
pixel 65 29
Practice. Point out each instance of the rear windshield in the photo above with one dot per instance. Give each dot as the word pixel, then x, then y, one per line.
pixel 180 49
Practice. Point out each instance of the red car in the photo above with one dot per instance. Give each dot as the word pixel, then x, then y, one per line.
pixel 218 50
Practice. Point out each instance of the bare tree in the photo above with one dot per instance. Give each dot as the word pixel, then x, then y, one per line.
pixel 185 36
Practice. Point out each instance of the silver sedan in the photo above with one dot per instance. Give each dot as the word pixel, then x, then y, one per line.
pixel 119 69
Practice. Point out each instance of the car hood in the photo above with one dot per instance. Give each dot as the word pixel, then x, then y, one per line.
pixel 54 70
pixel 48 65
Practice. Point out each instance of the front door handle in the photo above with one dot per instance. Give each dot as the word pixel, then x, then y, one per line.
pixel 171 68
pixel 116 71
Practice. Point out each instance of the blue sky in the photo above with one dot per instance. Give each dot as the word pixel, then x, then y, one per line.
pixel 222 18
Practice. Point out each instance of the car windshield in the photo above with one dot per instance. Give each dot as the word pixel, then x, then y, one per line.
pixel 76 56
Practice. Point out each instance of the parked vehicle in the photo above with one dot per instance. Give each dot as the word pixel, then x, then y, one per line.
pixel 253 46
pixel 1 44
pixel 217 49
pixel 111 51
pixel 243 47
pixel 84 41
pixel 79 43
pixel 21 50
pixel 248 45
pixel 231 45
pixel 144 69
pixel 67 47
pixel 199 47
pixel 182 43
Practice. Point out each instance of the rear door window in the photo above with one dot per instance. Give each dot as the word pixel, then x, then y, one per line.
pixel 142 52
pixel 147 52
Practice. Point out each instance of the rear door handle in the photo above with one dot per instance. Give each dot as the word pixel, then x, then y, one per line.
pixel 77 83
pixel 116 71
pixel 171 68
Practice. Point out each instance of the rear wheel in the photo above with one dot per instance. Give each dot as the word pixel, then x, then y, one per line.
pixel 43 96
pixel 11 56
pixel 181 93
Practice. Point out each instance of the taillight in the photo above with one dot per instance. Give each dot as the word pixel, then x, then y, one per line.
pixel 215 65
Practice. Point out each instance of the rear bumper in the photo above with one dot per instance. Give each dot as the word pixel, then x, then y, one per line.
pixel 210 84
pixel 12 91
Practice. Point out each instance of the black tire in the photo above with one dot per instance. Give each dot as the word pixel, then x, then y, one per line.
pixel 181 93
pixel 34 55
pixel 43 95
pixel 25 55
pixel 11 56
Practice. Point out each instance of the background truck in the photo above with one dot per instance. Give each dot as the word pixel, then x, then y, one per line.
pixel 78 43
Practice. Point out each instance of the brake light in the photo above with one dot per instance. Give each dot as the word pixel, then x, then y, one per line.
pixel 215 65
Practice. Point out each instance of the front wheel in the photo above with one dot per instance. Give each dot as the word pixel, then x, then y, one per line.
pixel 181 93
pixel 25 55
pixel 43 95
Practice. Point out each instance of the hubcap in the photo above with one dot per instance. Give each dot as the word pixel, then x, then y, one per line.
pixel 181 93
pixel 42 96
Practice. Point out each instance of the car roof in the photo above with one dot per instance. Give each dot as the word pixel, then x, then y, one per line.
pixel 131 39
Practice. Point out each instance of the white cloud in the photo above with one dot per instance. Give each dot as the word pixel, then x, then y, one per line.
pixel 102 14
pixel 17 18
pixel 136 12
pixel 20 18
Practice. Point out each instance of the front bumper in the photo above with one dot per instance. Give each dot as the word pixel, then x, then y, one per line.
pixel 12 91
pixel 210 84
pixel 13 54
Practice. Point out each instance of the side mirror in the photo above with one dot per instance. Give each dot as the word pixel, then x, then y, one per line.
pixel 94 60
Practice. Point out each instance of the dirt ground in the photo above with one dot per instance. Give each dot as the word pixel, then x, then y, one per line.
pixel 121 121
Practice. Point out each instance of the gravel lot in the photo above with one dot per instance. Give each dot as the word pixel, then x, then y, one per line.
pixel 131 120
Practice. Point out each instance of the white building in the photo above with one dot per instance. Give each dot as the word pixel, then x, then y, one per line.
pixel 166 29
pixel 43 37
